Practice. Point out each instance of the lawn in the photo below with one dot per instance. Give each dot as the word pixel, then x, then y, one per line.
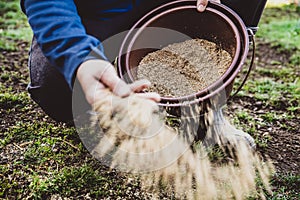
pixel 43 159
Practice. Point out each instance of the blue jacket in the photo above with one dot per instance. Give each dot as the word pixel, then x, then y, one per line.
pixel 59 27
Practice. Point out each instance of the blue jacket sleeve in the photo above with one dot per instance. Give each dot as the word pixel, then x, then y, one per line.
pixel 61 35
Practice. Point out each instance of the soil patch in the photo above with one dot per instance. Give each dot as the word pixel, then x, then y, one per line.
pixel 283 147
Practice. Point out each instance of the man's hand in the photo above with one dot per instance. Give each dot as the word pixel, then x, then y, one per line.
pixel 201 4
pixel 97 75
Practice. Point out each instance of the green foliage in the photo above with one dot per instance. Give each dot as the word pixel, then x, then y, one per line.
pixel 295 58
pixel 9 100
pixel 272 91
pixel 13 25
pixel 286 186
pixel 286 74
pixel 282 31
pixel 70 181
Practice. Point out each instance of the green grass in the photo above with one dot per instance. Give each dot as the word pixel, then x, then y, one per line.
pixel 280 101
pixel 273 91
pixel 284 32
pixel 13 25
pixel 48 158
pixel 282 73
pixel 275 86
pixel 288 182
pixel 70 181
pixel 43 159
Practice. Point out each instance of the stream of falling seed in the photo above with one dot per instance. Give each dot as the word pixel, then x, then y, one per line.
pixel 138 141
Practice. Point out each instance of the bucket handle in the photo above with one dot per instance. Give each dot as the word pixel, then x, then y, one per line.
pixel 251 33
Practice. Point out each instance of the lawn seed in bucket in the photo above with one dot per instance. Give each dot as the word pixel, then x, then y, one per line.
pixel 184 68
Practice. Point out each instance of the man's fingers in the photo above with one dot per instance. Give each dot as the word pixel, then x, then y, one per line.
pixel 150 95
pixel 139 85
pixel 201 5
pixel 121 89
pixel 114 83
pixel 90 92
pixel 100 94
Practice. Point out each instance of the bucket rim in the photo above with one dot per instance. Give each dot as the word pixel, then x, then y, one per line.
pixel 241 51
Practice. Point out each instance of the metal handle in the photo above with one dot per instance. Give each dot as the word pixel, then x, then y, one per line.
pixel 251 36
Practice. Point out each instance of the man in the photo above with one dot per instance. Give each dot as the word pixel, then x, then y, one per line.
pixel 67 46
pixel 65 33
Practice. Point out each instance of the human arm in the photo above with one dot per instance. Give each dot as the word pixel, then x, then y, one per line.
pixel 63 39
pixel 61 36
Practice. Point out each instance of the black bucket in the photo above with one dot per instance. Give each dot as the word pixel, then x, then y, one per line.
pixel 218 24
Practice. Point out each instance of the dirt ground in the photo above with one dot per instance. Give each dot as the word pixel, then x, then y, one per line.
pixel 283 148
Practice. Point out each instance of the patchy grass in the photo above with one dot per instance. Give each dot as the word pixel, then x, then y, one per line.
pixel 42 159
pixel 39 158
pixel 13 25
pixel 272 92
pixel 284 32
pixel 286 182
pixel 271 115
